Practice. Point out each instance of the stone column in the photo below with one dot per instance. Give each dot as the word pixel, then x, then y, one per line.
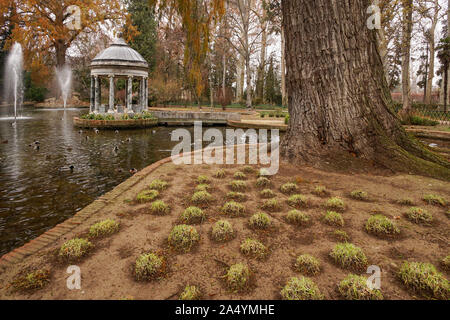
pixel 111 94
pixel 92 95
pixel 97 94
pixel 130 95
pixel 145 93
pixel 142 95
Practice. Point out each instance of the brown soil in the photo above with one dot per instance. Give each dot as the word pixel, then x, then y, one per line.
pixel 107 271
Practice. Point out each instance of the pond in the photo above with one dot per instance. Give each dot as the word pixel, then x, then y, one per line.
pixel 38 189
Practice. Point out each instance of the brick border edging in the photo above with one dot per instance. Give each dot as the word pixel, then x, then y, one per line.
pixel 50 236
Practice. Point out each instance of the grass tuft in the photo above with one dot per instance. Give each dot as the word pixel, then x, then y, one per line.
pixel 263 182
pixel 248 169
pixel 183 237
pixel 321 191
pixel 149 266
pixel 104 228
pixel 159 208
pixel 193 215
pixel 31 281
pixel 202 187
pixel 147 196
pixel 334 219
pixel 419 216
pixel 307 265
pixel 238 186
pixel 202 198
pixel 355 287
pixel 238 277
pixel 298 201
pixel 254 248
pixel 159 185
pixel 220 174
pixel 359 195
pixel 446 263
pixel 298 218
pixel 380 225
pixel 341 236
pixel 289 188
pixel 336 204
pixel 349 256
pixel 424 279
pixel 203 180
pixel 191 293
pixel 236 196
pixel 75 249
pixel 271 205
pixel 434 200
pixel 301 289
pixel 407 202
pixel 240 176
pixel 260 221
pixel 233 209
pixel 267 194
pixel 222 231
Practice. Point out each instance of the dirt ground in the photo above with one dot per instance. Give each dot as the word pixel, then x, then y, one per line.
pixel 107 270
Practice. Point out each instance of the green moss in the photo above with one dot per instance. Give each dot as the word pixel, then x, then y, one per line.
pixel 248 169
pixel 193 215
pixel 236 196
pixel 203 180
pixel 233 209
pixel 104 228
pixel 75 249
pixel 349 256
pixel 321 191
pixel 159 185
pixel 301 289
pixel 355 287
pixel 202 198
pixel 263 182
pixel 260 221
pixel 254 248
pixel 271 205
pixel 298 201
pixel 220 174
pixel 150 266
pixel 425 280
pixel 159 208
pixel 289 188
pixel 341 236
pixel 238 186
pixel 359 195
pixel 191 293
pixel 336 204
pixel 435 200
pixel 222 231
pixel 267 194
pixel 240 176
pixel 238 277
pixel 183 237
pixel 380 225
pixel 202 187
pixel 298 218
pixel 307 265
pixel 147 196
pixel 334 219
pixel 419 216
pixel 31 281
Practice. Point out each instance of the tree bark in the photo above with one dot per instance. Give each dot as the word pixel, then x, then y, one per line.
pixel 432 52
pixel 406 55
pixel 240 79
pixel 339 102
pixel 262 63
pixel 283 68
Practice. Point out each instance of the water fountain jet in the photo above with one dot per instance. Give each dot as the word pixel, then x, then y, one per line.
pixel 13 77
pixel 64 76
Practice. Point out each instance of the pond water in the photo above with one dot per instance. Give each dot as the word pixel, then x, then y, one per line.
pixel 38 190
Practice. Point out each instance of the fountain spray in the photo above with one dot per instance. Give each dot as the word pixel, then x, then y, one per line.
pixel 64 76
pixel 13 77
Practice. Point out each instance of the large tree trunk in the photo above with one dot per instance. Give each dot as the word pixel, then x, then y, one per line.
pixel 406 54
pixel 240 79
pixel 262 63
pixel 339 102
pixel 283 68
pixel 431 40
pixel 249 102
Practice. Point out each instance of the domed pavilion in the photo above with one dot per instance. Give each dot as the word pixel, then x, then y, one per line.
pixel 119 61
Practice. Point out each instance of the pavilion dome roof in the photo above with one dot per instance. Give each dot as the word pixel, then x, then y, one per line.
pixel 119 54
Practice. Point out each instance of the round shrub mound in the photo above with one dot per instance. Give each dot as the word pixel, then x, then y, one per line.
pixel 149 266
pixel 267 194
pixel 237 196
pixel 349 256
pixel 254 248
pixel 202 198
pixel 159 185
pixel 334 219
pixel 307 265
pixel 32 281
pixel 263 182
pixel 380 225
pixel 147 196
pixel 425 279
pixel 298 218
pixel 298 201
pixel 159 208
pixel 193 215
pixel 355 287
pixel 104 228
pixel 75 249
pixel 191 293
pixel 301 289
pixel 336 204
pixel 240 176
pixel 238 185
pixel 233 209
pixel 260 221
pixel 289 188
pixel 238 277
pixel 271 205
pixel 220 174
pixel 435 200
pixel 183 238
pixel 419 216
pixel 359 195
pixel 222 231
